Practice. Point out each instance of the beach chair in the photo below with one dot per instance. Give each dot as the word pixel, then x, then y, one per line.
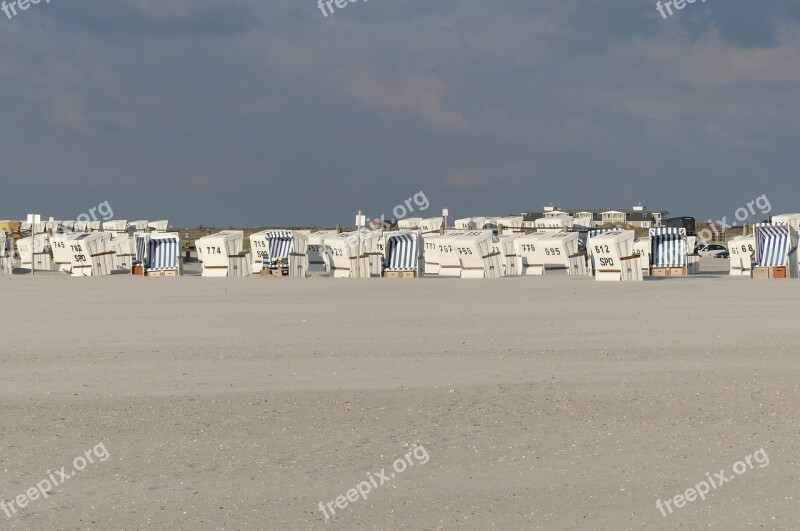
pixel 614 258
pixel 503 245
pixel 403 255
pixel 742 250
pixel 554 253
pixel 287 254
pixel 6 262
pixel 222 254
pixel 158 254
pixel 669 252
pixel 776 251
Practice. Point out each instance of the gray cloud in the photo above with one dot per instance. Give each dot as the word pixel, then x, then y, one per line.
pixel 269 113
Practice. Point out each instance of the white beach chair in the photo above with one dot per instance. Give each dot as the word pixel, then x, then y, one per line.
pixel 614 257
pixel 742 250
pixel 222 254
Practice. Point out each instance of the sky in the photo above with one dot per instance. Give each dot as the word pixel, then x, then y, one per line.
pixel 270 113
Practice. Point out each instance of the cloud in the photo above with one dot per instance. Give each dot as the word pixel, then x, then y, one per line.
pixel 258 113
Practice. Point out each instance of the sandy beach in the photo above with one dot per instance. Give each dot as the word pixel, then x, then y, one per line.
pixel 542 403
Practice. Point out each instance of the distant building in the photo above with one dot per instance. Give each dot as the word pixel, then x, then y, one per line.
pixel 637 216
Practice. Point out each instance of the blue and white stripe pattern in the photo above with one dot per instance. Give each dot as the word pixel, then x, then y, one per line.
pixel 141 247
pixel 163 254
pixel 772 242
pixel 157 254
pixel 668 247
pixel 279 245
pixel 597 232
pixel 401 252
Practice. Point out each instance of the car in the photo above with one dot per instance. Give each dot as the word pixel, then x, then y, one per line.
pixel 723 254
pixel 711 250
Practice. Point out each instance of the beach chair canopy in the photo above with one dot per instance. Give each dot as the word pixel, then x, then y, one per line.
pixel 279 246
pixel 774 243
pixel 401 251
pixel 158 252
pixel 668 247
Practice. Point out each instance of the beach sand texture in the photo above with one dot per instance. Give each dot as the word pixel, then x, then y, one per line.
pixel 543 403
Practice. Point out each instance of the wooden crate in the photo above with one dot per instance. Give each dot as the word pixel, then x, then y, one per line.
pixel 769 272
pixel 400 274
pixel 274 272
pixel 163 273
pixel 668 272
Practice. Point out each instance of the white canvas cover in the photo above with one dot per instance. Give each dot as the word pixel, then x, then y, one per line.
pixel 503 245
pixel 554 224
pixel 343 254
pixel 510 224
pixel 467 254
pixel 525 248
pixel 80 226
pixel 474 251
pixel 115 225
pixel 409 223
pixel 36 249
pixel 62 254
pixel 614 258
pixel 6 267
pixel 433 252
pixel 89 254
pixel 139 225
pixel 259 250
pixel 124 247
pixel 558 253
pixel 642 247
pixel 215 250
pixel 476 223
pixel 240 265
pixel 441 255
pixel 789 219
pixel 161 225
pixel 742 251
pixel 317 257
pixel 431 225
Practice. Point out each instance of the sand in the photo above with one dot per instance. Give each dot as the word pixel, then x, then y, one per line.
pixel 542 403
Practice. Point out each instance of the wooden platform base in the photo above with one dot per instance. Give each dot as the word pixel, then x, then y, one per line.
pixel 769 272
pixel 399 274
pixel 274 272
pixel 164 273
pixel 668 272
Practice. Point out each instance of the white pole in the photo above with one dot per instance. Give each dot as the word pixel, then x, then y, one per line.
pixel 33 241
pixel 358 251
